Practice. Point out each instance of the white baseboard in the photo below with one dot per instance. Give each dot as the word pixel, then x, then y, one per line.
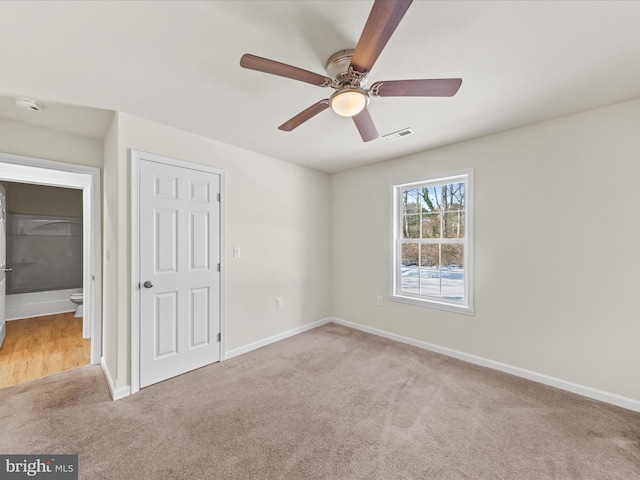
pixel 275 338
pixel 607 397
pixel 116 394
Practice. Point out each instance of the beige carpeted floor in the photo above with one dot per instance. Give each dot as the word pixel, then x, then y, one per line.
pixel 331 403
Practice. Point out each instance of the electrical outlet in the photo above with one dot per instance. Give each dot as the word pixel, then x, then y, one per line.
pixel 379 299
pixel 278 302
pixel 236 252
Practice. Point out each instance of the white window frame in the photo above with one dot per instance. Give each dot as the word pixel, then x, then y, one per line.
pixel 466 306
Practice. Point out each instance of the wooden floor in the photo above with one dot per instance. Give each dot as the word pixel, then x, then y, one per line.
pixel 39 346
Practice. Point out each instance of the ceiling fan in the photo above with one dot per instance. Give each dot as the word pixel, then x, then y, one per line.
pixel 348 70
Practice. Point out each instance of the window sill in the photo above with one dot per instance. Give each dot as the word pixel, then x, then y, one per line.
pixel 433 304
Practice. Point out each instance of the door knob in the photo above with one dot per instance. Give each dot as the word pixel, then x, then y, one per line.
pixel 8 269
pixel 148 284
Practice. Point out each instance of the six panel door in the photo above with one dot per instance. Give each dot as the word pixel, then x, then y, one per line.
pixel 179 270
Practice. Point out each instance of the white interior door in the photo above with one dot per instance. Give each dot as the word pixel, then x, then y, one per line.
pixel 3 263
pixel 179 216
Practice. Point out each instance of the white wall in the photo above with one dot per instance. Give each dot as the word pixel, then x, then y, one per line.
pixel 556 249
pixel 22 139
pixel 277 212
pixel 110 194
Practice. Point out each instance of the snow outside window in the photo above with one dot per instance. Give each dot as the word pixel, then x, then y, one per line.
pixel 432 232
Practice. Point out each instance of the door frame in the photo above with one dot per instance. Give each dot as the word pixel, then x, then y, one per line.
pixel 16 168
pixel 136 156
pixel 3 264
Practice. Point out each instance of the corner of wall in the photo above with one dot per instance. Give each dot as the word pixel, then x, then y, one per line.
pixel 116 393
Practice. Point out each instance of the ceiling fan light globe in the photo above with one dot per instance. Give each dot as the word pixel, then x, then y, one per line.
pixel 349 102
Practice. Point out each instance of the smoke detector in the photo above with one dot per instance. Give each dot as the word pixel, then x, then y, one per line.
pixel 28 104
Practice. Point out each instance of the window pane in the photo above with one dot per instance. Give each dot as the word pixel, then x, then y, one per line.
pixel 453 224
pixel 409 254
pixel 431 225
pixel 410 213
pixel 409 280
pixel 411 201
pixel 430 282
pixel 430 256
pixel 453 196
pixel 409 272
pixel 411 226
pixel 431 198
pixel 430 271
pixel 453 284
pixel 462 195
pixel 453 255
pixel 452 272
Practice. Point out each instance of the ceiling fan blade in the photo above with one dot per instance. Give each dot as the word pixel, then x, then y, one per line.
pixel 276 68
pixel 305 115
pixel 382 22
pixel 365 125
pixel 435 87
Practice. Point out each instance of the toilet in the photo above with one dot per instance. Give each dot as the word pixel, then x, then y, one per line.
pixel 77 299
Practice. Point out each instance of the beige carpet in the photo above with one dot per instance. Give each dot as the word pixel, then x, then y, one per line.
pixel 331 403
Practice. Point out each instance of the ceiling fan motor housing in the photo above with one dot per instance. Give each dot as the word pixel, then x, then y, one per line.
pixel 350 96
pixel 343 76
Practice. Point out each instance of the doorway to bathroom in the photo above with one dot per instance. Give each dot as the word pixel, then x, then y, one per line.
pixel 43 249
pixel 84 183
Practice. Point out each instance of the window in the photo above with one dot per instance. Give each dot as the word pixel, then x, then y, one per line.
pixel 432 232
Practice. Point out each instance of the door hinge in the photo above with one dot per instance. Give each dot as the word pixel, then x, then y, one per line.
pixel 218 267
pixel 218 196
pixel 219 336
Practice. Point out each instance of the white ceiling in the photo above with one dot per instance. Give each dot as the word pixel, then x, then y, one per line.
pixel 177 63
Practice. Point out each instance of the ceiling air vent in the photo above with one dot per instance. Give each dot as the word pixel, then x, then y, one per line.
pixel 405 132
